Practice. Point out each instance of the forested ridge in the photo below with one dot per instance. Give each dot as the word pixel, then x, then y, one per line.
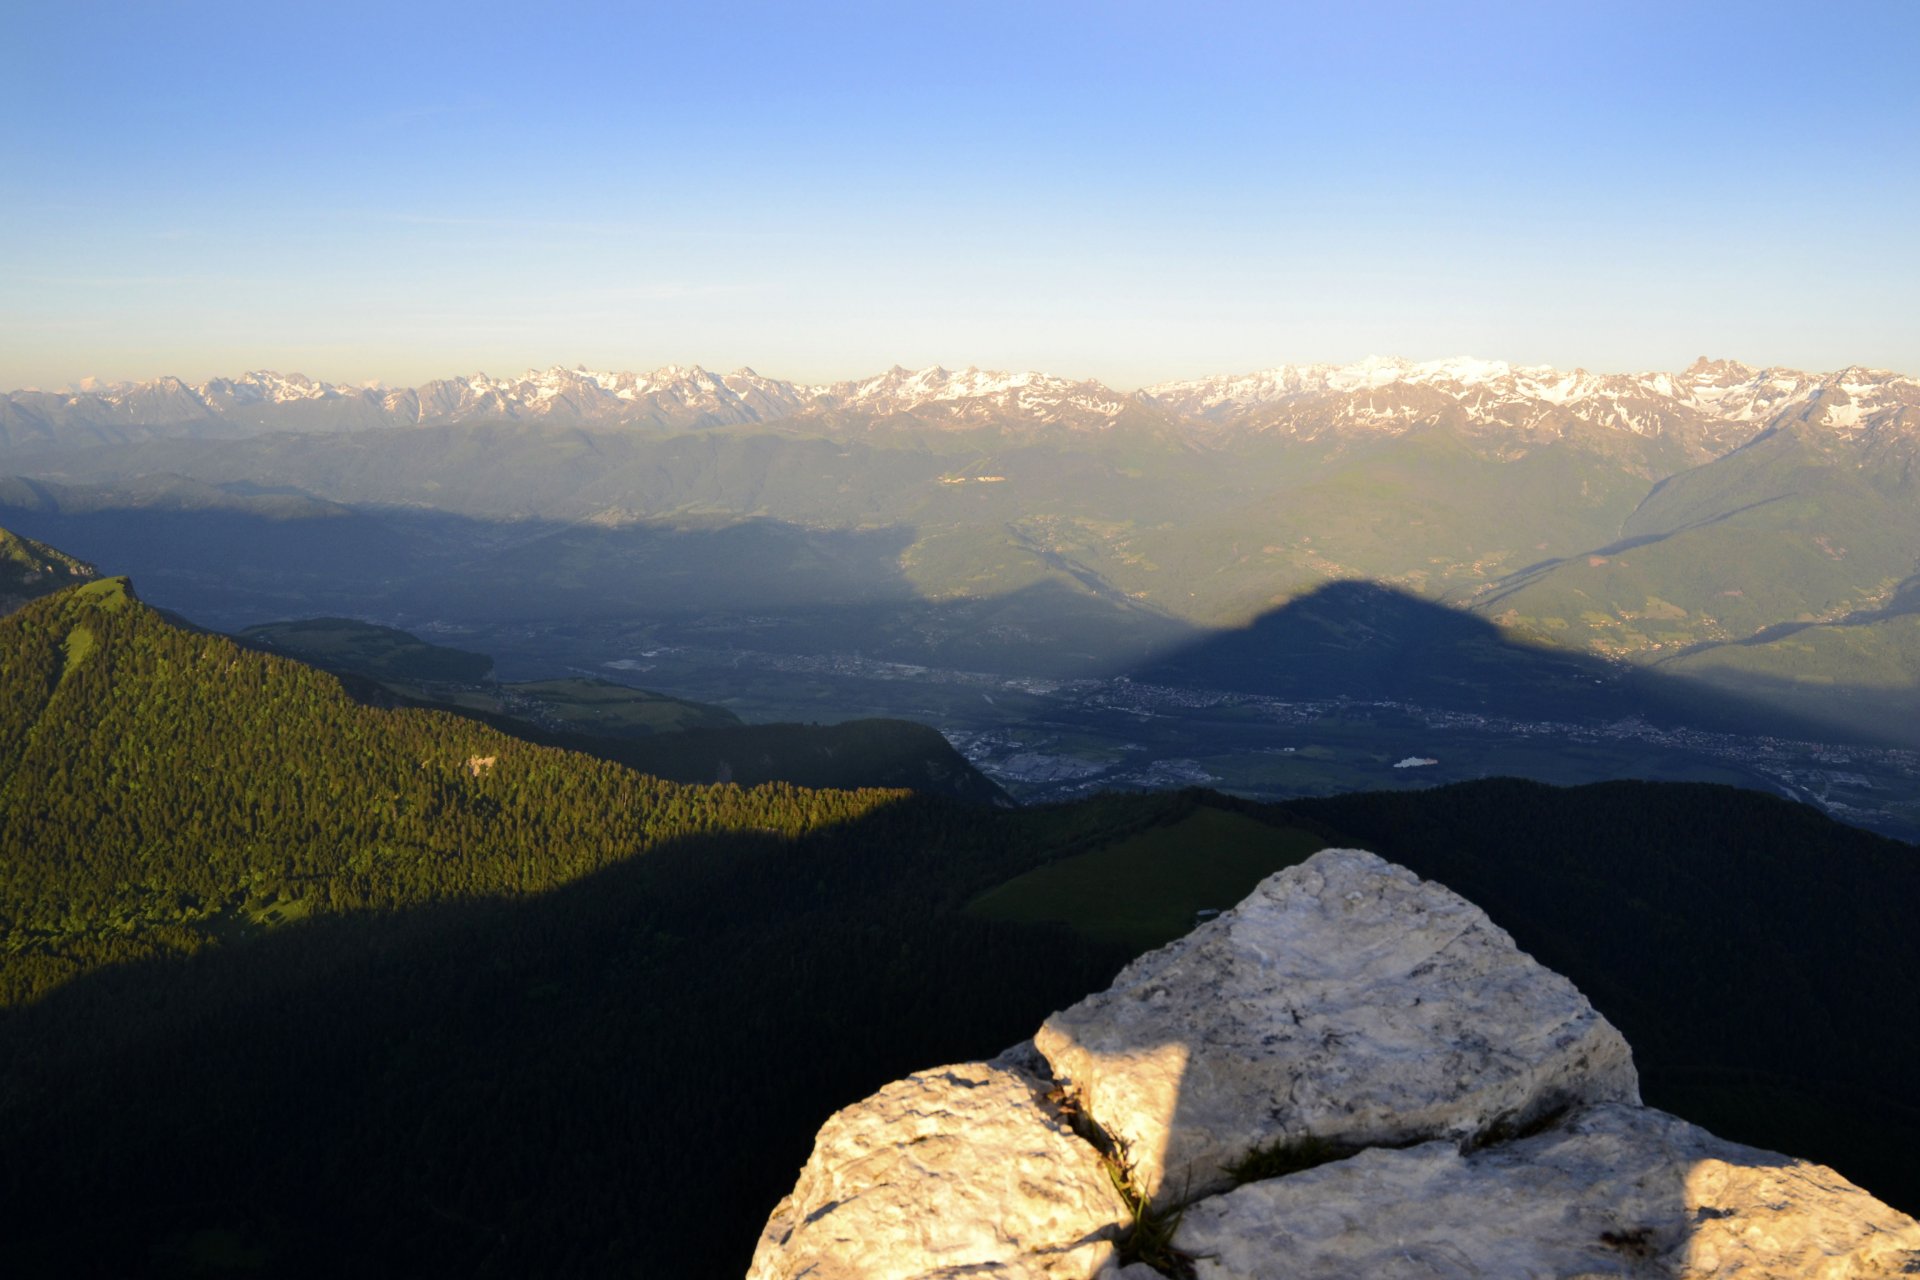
pixel 161 787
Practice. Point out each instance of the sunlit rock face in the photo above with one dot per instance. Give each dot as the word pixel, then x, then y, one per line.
pixel 964 1170
pixel 1346 1001
pixel 1476 1115
pixel 1613 1191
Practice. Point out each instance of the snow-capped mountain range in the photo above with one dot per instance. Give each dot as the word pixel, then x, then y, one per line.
pixel 1707 408
pixel 1713 403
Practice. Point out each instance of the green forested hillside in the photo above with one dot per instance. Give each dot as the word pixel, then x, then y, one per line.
pixel 622 1075
pixel 656 733
pixel 885 753
pixel 161 788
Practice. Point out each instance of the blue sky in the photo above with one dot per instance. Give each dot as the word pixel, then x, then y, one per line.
pixel 1123 191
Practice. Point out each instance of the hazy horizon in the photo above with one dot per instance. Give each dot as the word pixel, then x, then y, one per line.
pixel 871 369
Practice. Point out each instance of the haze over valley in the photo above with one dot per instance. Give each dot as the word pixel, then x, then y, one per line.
pixel 1668 562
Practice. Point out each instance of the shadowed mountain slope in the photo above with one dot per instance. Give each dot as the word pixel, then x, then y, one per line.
pixel 29 569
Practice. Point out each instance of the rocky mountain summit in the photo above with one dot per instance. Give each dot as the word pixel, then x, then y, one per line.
pixel 1353 1073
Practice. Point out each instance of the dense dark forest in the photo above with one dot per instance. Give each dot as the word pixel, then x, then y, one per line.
pixel 868 753
pixel 300 986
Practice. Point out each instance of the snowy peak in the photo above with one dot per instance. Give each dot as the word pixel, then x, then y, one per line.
pixel 671 396
pixel 972 393
pixel 1705 409
pixel 1708 407
pixel 264 386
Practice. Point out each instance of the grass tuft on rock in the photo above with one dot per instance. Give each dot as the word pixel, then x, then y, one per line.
pixel 1149 1234
pixel 1288 1155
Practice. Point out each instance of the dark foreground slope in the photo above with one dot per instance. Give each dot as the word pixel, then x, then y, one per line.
pixel 553 1017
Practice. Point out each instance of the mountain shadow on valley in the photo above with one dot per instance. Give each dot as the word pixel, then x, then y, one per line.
pixel 1367 641
pixel 233 559
pixel 547 588
pixel 224 559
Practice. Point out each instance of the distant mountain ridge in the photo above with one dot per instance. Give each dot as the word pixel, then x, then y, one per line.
pixel 1754 528
pixel 1712 406
pixel 29 569
pixel 1708 408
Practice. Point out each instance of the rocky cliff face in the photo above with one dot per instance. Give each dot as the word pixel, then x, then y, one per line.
pixel 1354 1073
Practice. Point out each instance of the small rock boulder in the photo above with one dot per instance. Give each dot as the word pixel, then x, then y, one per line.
pixel 1612 1190
pixel 963 1170
pixel 1346 1001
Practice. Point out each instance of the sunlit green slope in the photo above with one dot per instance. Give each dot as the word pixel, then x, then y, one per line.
pixel 161 789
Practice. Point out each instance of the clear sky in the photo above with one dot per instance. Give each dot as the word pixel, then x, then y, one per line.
pixel 1123 191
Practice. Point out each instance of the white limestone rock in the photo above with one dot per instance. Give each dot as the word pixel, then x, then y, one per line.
pixel 1131 1271
pixel 963 1170
pixel 1346 999
pixel 1612 1191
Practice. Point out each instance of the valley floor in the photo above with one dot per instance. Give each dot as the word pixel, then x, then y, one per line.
pixel 1057 739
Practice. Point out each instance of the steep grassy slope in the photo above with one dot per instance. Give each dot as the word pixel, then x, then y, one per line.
pixel 1792 528
pixel 1862 670
pixel 1150 888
